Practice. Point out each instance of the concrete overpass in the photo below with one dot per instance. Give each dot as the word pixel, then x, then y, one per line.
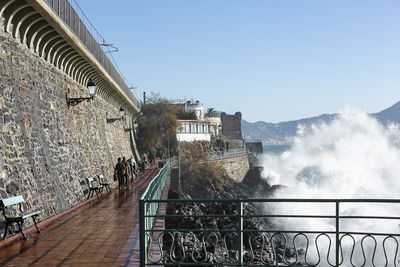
pixel 53 30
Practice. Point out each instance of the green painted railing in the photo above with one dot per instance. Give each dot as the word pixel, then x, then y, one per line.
pixel 153 192
pixel 285 239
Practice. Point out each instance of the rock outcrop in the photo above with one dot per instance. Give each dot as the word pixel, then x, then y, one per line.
pixel 215 244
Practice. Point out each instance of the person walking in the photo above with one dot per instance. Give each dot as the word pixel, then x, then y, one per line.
pixel 119 170
pixel 145 161
pixel 128 171
pixel 132 164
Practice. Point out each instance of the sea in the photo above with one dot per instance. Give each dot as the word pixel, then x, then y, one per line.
pixel 275 150
pixel 352 157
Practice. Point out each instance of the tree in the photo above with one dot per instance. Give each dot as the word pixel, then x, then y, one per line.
pixel 182 115
pixel 211 112
pixel 157 126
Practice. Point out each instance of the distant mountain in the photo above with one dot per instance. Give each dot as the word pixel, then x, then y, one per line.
pixel 391 114
pixel 281 133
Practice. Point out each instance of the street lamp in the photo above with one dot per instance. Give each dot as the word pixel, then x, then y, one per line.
pixel 121 114
pixel 75 101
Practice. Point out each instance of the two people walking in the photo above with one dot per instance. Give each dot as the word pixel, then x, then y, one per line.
pixel 125 170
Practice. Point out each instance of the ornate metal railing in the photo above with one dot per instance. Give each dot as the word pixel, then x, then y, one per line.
pixel 68 15
pixel 226 232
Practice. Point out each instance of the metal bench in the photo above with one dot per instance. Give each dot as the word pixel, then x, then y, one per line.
pixel 104 182
pixel 94 188
pixel 19 215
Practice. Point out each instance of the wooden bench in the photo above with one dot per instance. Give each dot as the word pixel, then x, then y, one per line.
pixel 19 216
pixel 94 188
pixel 104 182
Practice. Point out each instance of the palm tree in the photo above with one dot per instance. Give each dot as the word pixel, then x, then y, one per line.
pixel 211 112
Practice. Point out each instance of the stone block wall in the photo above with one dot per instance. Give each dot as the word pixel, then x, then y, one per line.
pixel 47 150
pixel 254 151
pixel 236 168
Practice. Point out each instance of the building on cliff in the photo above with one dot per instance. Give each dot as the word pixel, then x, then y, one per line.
pixel 202 128
pixel 189 106
pixel 231 126
pixel 193 130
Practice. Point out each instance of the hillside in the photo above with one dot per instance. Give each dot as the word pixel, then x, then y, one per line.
pixel 281 133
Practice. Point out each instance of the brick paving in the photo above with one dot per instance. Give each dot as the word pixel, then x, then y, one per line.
pixel 102 232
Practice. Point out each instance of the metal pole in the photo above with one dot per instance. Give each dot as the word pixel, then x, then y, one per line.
pixel 142 234
pixel 179 168
pixel 168 149
pixel 337 232
pixel 240 230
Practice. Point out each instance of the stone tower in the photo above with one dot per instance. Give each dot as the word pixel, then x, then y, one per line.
pixel 232 126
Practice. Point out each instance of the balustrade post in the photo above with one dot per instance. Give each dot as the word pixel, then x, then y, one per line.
pixel 239 205
pixel 337 232
pixel 142 233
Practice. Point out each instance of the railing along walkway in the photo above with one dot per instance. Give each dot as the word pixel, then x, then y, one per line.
pixel 103 232
pixel 291 232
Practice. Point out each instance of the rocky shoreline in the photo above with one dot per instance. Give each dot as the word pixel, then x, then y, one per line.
pixel 215 245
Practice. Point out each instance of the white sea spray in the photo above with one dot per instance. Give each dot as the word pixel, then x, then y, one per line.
pixel 352 157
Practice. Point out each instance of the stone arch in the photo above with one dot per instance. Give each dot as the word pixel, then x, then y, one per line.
pixel 33 31
pixel 69 61
pixel 110 94
pixel 38 37
pixel 15 16
pixel 89 75
pixel 26 24
pixel 4 5
pixel 67 52
pixel 74 65
pixel 79 66
pixel 57 39
pixel 81 75
pixel 7 10
pixel 102 87
pixel 57 51
pixel 45 40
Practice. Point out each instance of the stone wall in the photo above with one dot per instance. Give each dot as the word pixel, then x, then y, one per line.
pixel 236 167
pixel 47 150
pixel 254 150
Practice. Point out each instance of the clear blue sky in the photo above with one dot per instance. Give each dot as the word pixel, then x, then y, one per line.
pixel 274 60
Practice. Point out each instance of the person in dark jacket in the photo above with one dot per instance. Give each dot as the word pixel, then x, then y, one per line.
pixel 120 171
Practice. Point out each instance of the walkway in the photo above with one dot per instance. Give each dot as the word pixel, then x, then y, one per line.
pixel 101 233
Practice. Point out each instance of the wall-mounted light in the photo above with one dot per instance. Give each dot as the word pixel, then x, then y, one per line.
pixel 75 101
pixel 121 114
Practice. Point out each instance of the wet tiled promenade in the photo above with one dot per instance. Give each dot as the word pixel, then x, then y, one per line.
pixel 103 232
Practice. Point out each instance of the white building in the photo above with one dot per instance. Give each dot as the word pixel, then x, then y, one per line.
pixel 215 125
pixel 190 106
pixel 193 130
pixel 197 108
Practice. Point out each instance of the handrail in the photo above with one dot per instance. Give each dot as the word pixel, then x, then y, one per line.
pixel 224 154
pixel 64 10
pixel 240 244
pixel 153 192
